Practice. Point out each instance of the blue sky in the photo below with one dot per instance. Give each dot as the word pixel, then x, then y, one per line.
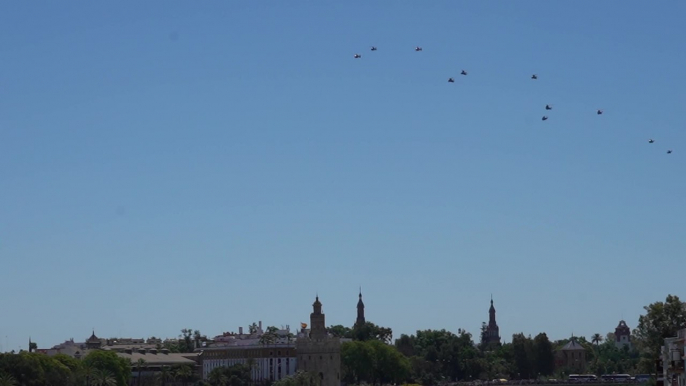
pixel 171 164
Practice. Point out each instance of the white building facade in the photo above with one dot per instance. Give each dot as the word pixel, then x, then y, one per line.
pixel 268 362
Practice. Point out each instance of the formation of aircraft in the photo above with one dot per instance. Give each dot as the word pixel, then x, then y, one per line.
pixel 548 107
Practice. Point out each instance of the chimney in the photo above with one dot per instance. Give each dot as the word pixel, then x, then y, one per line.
pixel 128 351
pixel 240 330
pixel 141 351
pixel 153 351
pixel 165 351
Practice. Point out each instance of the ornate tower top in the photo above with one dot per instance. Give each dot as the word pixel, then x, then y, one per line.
pixel 317 323
pixel 317 306
pixel 360 311
pixel 493 331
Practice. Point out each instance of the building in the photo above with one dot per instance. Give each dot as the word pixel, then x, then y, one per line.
pixel 318 352
pixel 152 360
pixel 492 334
pixel 572 357
pixel 270 359
pixel 622 335
pixel 674 360
pixel 360 321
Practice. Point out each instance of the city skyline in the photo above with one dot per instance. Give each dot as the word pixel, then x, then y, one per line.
pixel 296 327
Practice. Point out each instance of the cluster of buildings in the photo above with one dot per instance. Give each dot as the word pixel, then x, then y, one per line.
pixel 672 363
pixel 278 353
pixel 271 355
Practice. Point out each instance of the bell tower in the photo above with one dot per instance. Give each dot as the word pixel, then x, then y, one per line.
pixel 492 331
pixel 360 311
pixel 317 322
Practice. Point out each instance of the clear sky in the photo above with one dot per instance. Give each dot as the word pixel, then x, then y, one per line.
pixel 172 164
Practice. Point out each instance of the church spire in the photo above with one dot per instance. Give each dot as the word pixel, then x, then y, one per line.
pixel 492 331
pixel 360 311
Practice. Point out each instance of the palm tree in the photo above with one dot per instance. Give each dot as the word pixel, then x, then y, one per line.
pixel 184 373
pixel 88 374
pixel 140 365
pixel 164 375
pixel 596 338
pixel 218 378
pixel 7 380
pixel 104 378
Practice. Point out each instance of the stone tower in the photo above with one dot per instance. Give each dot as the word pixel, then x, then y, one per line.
pixel 319 353
pixel 622 335
pixel 360 311
pixel 492 331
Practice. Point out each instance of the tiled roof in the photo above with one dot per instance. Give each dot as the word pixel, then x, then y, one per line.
pixel 159 359
pixel 573 345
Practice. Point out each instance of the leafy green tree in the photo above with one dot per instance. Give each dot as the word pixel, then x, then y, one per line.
pixel 370 331
pixel 236 375
pixel 270 336
pixel 26 368
pixel 119 368
pixel 437 355
pixel 218 377
pixel 597 339
pixel 357 361
pixel 300 378
pixel 340 331
pixel 662 320
pixel 543 355
pixel 522 348
pixel 373 362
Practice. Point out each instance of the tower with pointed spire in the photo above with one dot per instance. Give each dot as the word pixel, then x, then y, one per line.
pixel 492 335
pixel 93 342
pixel 319 353
pixel 317 322
pixel 360 311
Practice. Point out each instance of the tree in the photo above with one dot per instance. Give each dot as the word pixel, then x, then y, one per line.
pixel 270 336
pixel 104 378
pixel 189 340
pixel 140 365
pixel 184 373
pixel 218 377
pixel 374 362
pixel 522 348
pixel 300 378
pixel 662 320
pixel 596 339
pixel 236 375
pixel 543 355
pixel 7 380
pixel 339 331
pixel 370 331
pixel 165 375
pixel 119 368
